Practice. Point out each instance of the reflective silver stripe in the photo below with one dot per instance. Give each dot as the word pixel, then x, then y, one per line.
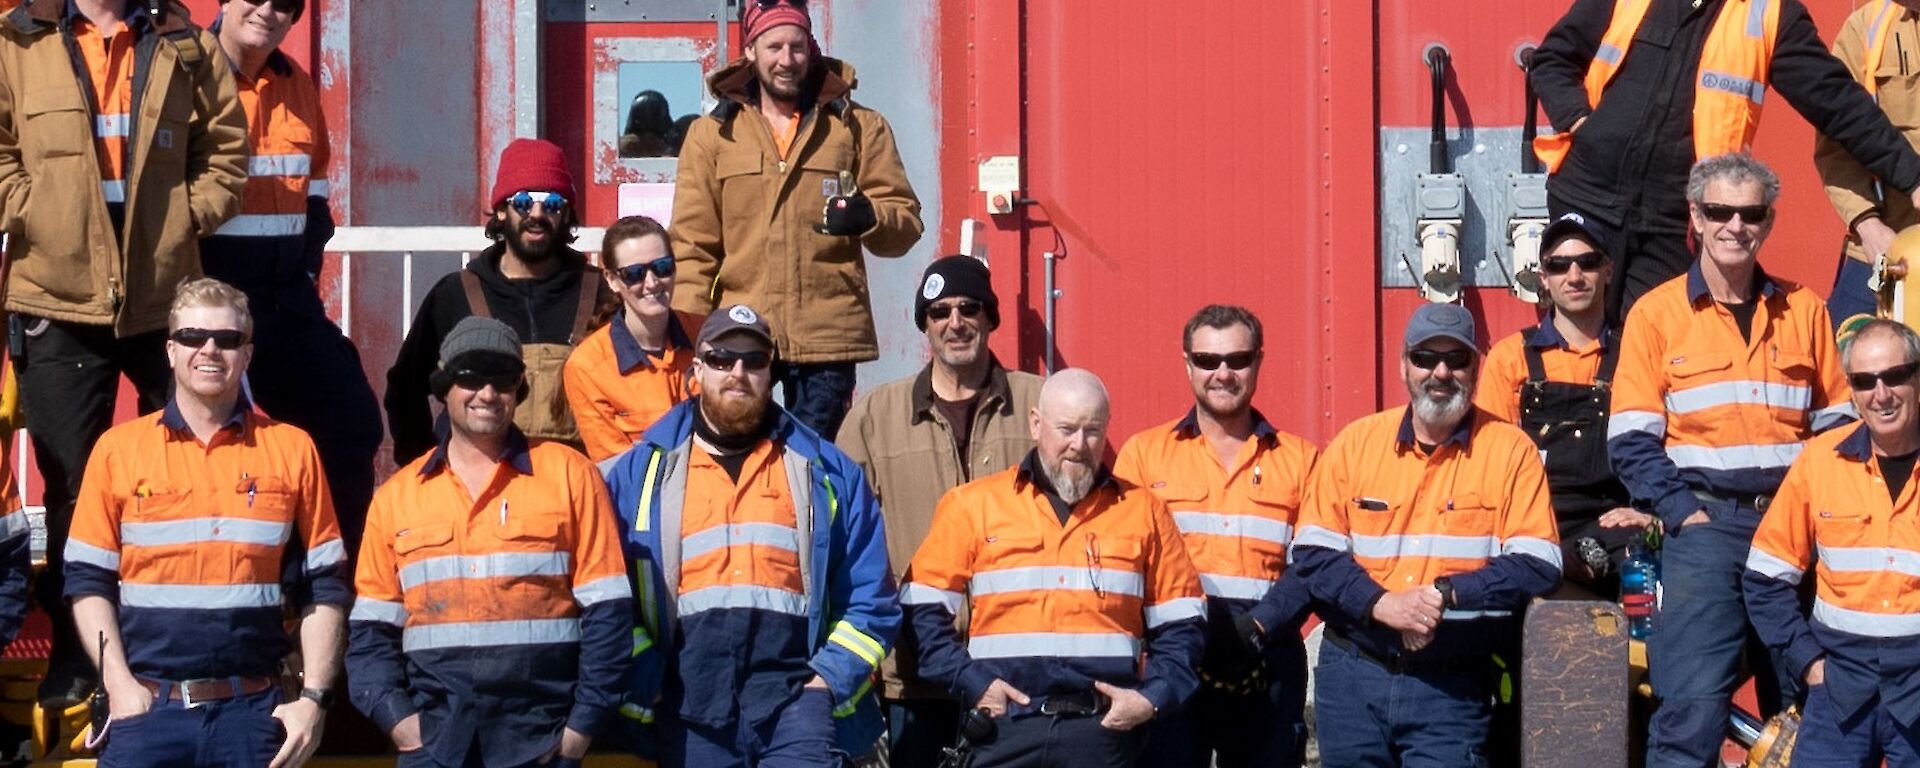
pixel 331 553
pixel 1733 456
pixel 199 595
pixel 723 536
pixel 601 590
pixel 476 634
pixel 293 164
pixel 1316 536
pixel 318 188
pixel 383 611
pixel 81 552
pixel 115 191
pixel 1637 421
pixel 1243 526
pixel 1463 547
pixel 199 530
pixel 111 126
pixel 1772 567
pixel 1739 393
pixel 14 525
pixel 1869 560
pixel 1864 623
pixel 1757 18
pixel 264 225
pixel 1455 615
pixel 1060 644
pixel 1609 53
pixel 1177 609
pixel 490 566
pixel 1532 547
pixel 1056 577
pixel 1832 416
pixel 1234 587
pixel 743 596
pixel 921 594
pixel 1734 84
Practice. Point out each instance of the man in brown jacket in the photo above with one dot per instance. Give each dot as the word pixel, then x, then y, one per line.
pixel 1880 44
pixel 960 418
pixel 122 142
pixel 778 189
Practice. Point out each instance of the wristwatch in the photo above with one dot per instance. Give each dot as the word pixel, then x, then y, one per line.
pixel 320 696
pixel 1444 585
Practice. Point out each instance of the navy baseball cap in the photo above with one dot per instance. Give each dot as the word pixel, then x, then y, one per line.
pixel 1571 225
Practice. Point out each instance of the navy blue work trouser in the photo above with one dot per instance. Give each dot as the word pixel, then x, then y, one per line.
pixel 1694 654
pixel 1850 295
pixel 1862 741
pixel 918 729
pixel 1429 717
pixel 1265 728
pixel 818 394
pixel 800 736
pixel 1058 741
pixel 240 732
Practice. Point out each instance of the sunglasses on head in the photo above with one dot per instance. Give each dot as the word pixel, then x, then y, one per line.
pixel 523 201
pixel 195 338
pixel 1209 361
pixel 1429 359
pixel 634 274
pixel 467 378
pixel 1720 214
pixel 1893 377
pixel 1560 265
pixel 967 309
pixel 723 359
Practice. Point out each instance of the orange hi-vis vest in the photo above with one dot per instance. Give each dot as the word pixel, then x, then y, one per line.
pixel 1731 84
pixel 740 542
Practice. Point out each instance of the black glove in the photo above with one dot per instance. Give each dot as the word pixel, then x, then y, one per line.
pixel 848 214
pixel 1252 637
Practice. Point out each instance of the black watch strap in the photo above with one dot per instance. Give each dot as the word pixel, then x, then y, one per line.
pixel 320 696
pixel 1445 586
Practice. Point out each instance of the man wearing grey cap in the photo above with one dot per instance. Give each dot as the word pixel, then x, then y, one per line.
pixel 1424 529
pixel 766 599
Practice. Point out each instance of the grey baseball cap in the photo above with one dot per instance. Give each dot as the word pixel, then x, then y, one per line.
pixel 1434 321
pixel 738 318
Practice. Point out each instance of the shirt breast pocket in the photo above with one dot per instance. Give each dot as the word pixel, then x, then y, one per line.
pixel 1269 531
pixel 156 521
pixel 1897 83
pixel 1116 566
pixel 260 527
pixel 1470 514
pixel 1842 529
pixel 423 553
pixel 51 118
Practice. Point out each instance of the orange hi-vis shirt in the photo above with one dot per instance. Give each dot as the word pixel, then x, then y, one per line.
pixel 189 540
pixel 287 133
pixel 1697 409
pixel 1236 521
pixel 108 62
pixel 740 542
pixel 1504 369
pixel 616 390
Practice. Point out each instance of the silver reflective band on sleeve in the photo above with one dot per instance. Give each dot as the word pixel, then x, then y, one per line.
pixel 1637 421
pixel 110 126
pixel 1057 644
pixel 199 595
pixel 602 590
pixel 1755 92
pixel 1045 577
pixel 1733 456
pixel 921 594
pixel 1867 559
pixel 14 524
pixel 202 530
pixel 293 164
pixel 383 611
pixel 1234 587
pixel 319 188
pixel 81 552
pixel 1456 615
pixel 1196 522
pixel 1532 547
pixel 1691 399
pixel 331 553
pixel 1864 623
pixel 1177 609
pixel 1458 547
pixel 1316 536
pixel 1772 567
pixel 115 191
pixel 498 565
pixel 264 225
pixel 1832 416
pixel 742 596
pixel 722 536
pixel 477 634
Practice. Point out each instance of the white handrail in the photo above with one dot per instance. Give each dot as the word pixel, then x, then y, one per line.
pixel 432 239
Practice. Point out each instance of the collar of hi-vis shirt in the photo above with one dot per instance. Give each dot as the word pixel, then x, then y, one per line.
pixel 1857 446
pixel 1190 425
pixel 995 390
pixel 173 419
pixel 517 454
pixel 1031 473
pixel 628 354
pixel 1697 283
pixel 1462 432
pixel 1548 336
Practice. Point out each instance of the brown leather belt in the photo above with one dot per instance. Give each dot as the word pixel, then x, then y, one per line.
pixel 192 692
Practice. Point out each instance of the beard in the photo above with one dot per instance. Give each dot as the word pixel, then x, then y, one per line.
pixel 1071 481
pixel 1449 408
pixel 533 253
pixel 733 415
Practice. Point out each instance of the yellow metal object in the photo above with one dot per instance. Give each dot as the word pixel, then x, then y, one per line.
pixel 1774 748
pixel 1637 668
pixel 1892 273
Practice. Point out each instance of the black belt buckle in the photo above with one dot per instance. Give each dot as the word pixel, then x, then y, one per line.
pixel 1084 704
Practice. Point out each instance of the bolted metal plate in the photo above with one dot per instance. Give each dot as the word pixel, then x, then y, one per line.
pixel 1486 158
pixel 637 10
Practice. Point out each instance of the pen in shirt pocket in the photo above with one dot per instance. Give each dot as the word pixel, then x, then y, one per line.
pixel 1370 504
pixel 503 511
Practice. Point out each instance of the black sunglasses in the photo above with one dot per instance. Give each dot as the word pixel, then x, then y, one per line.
pixel 1429 359
pixel 467 378
pixel 1751 214
pixel 195 338
pixel 1560 265
pixel 723 359
pixel 634 274
pixel 801 4
pixel 284 6
pixel 523 201
pixel 1208 361
pixel 1895 376
pixel 968 310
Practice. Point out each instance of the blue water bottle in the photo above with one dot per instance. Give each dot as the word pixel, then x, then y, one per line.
pixel 1639 588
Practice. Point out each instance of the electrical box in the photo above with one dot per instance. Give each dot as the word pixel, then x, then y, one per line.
pixel 1000 183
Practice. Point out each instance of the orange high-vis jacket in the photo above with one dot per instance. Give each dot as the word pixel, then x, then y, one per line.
pixel 1732 82
pixel 616 390
pixel 740 541
pixel 287 133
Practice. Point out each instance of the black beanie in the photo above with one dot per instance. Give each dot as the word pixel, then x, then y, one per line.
pixel 962 276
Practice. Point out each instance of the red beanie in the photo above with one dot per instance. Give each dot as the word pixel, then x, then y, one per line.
pixel 760 18
pixel 531 165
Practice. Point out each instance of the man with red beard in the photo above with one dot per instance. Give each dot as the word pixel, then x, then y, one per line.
pixel 766 602
pixel 531 279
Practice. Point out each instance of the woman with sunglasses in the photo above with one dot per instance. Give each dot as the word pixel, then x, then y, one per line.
pixel 624 376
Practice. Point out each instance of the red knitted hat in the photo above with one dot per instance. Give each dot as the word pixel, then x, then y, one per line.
pixel 531 165
pixel 761 17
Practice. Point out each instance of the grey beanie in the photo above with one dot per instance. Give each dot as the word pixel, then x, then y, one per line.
pixel 479 334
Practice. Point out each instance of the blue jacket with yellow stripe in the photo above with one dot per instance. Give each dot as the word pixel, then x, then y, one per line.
pixel 852 610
